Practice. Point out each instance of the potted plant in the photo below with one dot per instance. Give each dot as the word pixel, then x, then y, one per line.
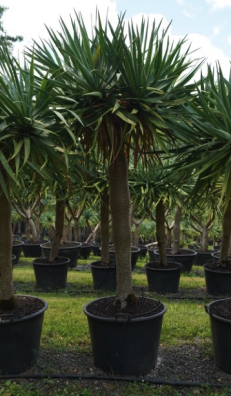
pixel 202 221
pixel 123 96
pixel 30 204
pixel 26 123
pixel 210 117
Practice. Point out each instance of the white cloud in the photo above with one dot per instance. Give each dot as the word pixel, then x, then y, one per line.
pixel 188 14
pixel 28 18
pixel 19 20
pixel 219 4
pixel 206 50
pixel 216 30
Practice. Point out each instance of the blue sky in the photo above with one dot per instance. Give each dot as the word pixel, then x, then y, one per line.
pixel 205 22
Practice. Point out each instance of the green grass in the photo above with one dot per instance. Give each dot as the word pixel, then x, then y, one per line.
pixel 65 327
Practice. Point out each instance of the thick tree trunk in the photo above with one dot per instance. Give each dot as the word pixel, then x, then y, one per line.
pixel 104 214
pixel 69 230
pixel 76 230
pixel 169 237
pixel 37 225
pixel 121 226
pixel 204 238
pixel 136 235
pixel 33 230
pixel 176 230
pixel 7 299
pixel 226 232
pixel 59 229
pixel 27 230
pixel 160 232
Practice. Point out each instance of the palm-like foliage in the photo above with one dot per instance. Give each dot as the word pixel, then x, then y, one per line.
pixel 125 88
pixel 29 136
pixel 211 119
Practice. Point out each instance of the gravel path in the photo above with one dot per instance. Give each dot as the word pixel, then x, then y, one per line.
pixel 181 363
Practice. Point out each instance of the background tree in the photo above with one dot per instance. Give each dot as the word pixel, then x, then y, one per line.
pixel 5 39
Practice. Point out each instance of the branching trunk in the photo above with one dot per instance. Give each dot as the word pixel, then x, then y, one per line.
pixel 226 233
pixel 203 229
pixel 121 226
pixel 137 228
pixel 59 228
pixel 160 232
pixel 69 227
pixel 176 230
pixel 92 234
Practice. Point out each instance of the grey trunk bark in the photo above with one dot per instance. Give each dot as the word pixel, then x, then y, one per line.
pixel 6 278
pixel 59 229
pixel 160 232
pixel 104 215
pixel 176 230
pixel 226 232
pixel 121 226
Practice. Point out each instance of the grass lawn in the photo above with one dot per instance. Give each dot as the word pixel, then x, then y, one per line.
pixel 65 328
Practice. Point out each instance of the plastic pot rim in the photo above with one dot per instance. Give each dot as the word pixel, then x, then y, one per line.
pixel 192 253
pixel 207 310
pixel 67 260
pixel 78 244
pixel 216 271
pixel 28 317
pixel 121 320
pixel 180 266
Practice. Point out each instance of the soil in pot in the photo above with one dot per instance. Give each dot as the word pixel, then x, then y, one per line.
pixel 68 249
pixel 220 321
pixel 163 278
pixel 185 257
pixel 125 342
pixel 20 333
pixel 51 275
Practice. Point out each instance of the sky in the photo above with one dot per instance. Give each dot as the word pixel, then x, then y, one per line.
pixel 206 23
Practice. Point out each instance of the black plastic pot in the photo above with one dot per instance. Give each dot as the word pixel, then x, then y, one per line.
pixel 134 255
pixel 217 282
pixel 163 280
pixel 151 252
pixel 72 252
pixel 221 330
pixel 203 257
pixel 16 250
pixel 216 256
pixel 217 248
pixel 32 249
pixel 186 257
pixel 104 278
pixel 125 345
pixel 85 250
pixel 96 249
pixel 143 251
pixel 51 276
pixel 20 340
pixel 13 259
